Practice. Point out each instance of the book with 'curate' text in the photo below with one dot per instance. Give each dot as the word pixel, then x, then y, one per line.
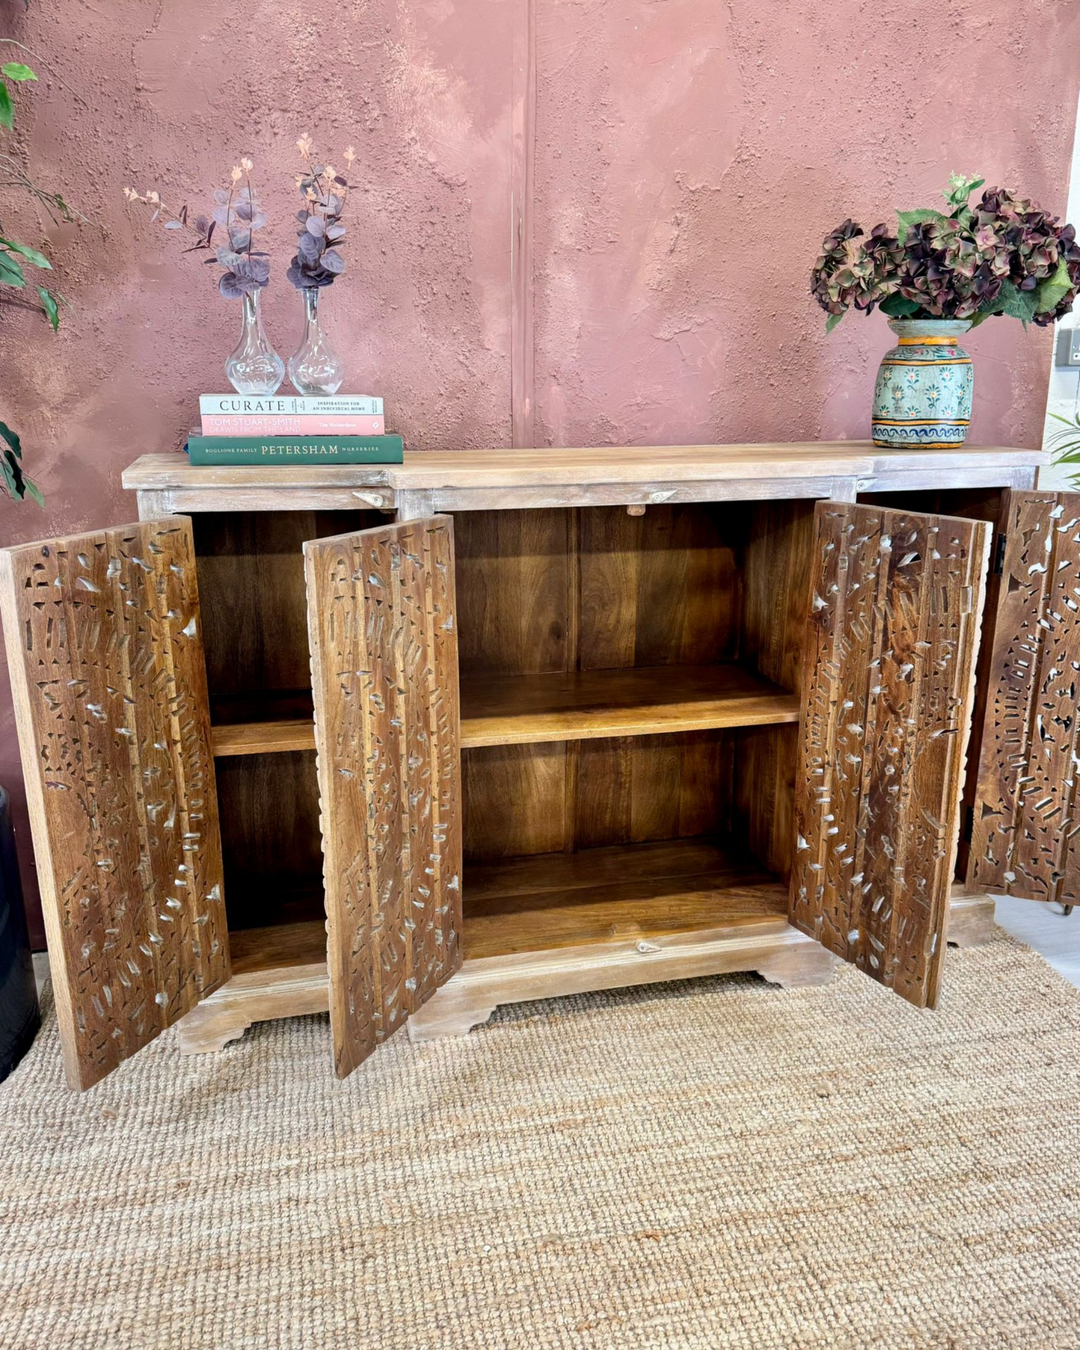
pixel 290 405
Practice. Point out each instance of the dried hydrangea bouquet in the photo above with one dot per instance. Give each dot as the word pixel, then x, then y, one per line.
pixel 315 367
pixel 940 274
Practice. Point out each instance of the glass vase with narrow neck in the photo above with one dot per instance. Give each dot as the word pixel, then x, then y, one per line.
pixel 254 367
pixel 315 367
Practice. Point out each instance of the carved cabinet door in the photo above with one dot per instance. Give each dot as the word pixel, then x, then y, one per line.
pixel 385 680
pixel 1024 823
pixel 109 688
pixel 891 647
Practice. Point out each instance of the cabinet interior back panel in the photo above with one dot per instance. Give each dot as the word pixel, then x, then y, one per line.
pixel 586 794
pixel 595 588
pixel 269 808
pixel 251 581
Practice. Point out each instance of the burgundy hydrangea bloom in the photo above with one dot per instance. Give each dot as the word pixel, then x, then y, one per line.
pixel 855 271
pixel 1004 255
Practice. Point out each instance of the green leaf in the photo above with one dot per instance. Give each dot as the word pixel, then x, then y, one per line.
pixel 16 482
pixel 1051 289
pixel 832 321
pixel 38 259
pixel 897 306
pixel 13 475
pixel 12 438
pixel 7 108
pixel 905 219
pixel 16 70
pixel 1016 304
pixel 51 308
pixel 31 489
pixel 960 188
pixel 11 274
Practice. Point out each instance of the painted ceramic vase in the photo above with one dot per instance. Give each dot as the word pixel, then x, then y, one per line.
pixel 922 397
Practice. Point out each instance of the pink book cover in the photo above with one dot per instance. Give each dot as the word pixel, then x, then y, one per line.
pixel 250 424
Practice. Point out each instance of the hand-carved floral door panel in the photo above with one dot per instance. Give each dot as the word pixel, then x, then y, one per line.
pixel 896 598
pixel 384 672
pixel 109 685
pixel 1024 825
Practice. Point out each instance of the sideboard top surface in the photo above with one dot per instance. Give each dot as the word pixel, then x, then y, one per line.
pixel 426 469
pixel 463 479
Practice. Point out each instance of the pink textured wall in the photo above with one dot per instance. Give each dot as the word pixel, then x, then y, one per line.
pixel 666 167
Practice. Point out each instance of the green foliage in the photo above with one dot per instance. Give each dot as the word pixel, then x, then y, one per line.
pixel 1066 444
pixel 50 306
pixel 1053 289
pixel 11 474
pixel 905 219
pixel 13 257
pixel 959 190
pixel 18 72
pixel 898 306
pixel 11 273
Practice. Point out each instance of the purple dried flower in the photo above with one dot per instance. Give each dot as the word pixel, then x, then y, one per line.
pixel 316 263
pixel 246 276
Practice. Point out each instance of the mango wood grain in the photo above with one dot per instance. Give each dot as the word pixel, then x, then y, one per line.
pixel 109 684
pixel 264 738
pixel 467 480
pixel 567 899
pixel 281 971
pixel 1024 818
pixel 626 789
pixel 661 589
pixel 384 675
pixel 268 806
pixel 895 603
pixel 517 710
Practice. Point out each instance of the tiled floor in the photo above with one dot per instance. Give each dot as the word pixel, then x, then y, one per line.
pixel 1043 927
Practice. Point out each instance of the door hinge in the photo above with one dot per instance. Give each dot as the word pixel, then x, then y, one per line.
pixel 999 553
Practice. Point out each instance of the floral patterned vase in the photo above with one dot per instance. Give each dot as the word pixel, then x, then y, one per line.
pixel 922 398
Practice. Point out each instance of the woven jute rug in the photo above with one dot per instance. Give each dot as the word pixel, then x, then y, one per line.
pixel 712 1163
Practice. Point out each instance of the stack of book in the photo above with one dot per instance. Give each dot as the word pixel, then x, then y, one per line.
pixel 291 429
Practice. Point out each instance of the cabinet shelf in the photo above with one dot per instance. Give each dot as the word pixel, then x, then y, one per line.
pixel 589 705
pixel 555 900
pixel 530 709
pixel 623 891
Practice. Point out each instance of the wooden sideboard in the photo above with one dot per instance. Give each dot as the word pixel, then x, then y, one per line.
pixel 567 719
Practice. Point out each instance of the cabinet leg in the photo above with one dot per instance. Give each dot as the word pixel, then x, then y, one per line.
pixel 448 1013
pixel 970 921
pixel 795 967
pixel 211 1027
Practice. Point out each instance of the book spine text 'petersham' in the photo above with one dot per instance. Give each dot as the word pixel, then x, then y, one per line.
pixel 295 450
pixel 291 405
pixel 308 424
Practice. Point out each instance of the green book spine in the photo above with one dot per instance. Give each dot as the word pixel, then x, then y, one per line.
pixel 295 449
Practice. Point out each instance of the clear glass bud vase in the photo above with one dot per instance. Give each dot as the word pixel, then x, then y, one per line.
pixel 254 367
pixel 315 367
